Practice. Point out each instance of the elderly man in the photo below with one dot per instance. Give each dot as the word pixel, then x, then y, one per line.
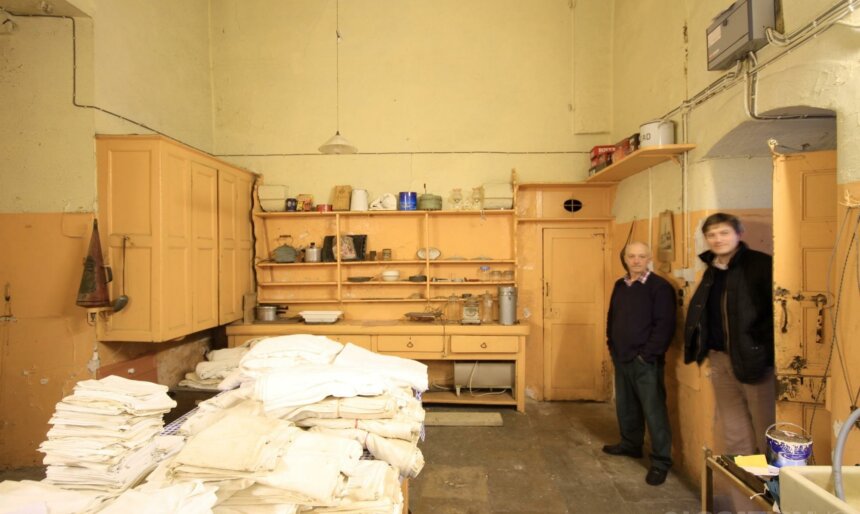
pixel 640 326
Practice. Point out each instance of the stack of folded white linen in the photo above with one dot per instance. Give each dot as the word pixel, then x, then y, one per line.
pixel 103 436
pixel 28 496
pixel 218 365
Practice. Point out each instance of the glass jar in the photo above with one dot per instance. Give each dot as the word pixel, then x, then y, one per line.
pixel 456 199
pixel 477 198
pixel 487 308
pixel 484 273
pixel 496 276
pixel 508 275
pixel 452 309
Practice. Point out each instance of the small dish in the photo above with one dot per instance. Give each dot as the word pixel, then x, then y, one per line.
pixel 359 279
pixel 431 253
pixel 390 275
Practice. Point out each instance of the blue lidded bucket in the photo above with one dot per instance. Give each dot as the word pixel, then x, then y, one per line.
pixel 787 447
pixel 408 201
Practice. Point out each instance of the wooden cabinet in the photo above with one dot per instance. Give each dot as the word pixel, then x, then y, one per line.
pixel 176 223
pixel 465 240
pixel 439 345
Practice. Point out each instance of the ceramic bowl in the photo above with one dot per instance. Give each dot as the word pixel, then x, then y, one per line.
pixel 391 276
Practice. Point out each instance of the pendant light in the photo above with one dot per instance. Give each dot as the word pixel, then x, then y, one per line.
pixel 337 144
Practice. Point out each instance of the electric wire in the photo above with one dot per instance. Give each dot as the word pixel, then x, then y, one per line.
pixel 834 338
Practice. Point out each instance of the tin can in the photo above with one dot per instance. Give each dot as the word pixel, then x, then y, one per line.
pixel 507 305
pixel 408 201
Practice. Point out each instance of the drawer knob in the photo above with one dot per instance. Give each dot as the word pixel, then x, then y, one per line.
pixel 483 345
pixel 409 344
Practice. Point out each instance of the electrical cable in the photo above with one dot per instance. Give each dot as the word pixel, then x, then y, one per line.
pixel 834 339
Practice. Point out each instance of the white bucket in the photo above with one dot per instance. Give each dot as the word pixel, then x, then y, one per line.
pixel 787 447
pixel 656 133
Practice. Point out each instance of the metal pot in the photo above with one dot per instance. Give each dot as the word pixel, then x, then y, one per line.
pixel 267 313
pixel 284 253
pixel 313 253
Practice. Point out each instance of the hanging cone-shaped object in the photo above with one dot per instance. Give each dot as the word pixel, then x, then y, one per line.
pixel 337 145
pixel 93 291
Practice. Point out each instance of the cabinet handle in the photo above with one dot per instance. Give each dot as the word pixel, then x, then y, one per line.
pixel 409 344
pixel 483 345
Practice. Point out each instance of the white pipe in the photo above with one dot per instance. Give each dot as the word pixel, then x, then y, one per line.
pixel 839 450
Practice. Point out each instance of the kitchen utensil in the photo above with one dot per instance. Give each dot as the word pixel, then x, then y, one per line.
pixel 267 313
pixel 122 300
pixel 656 133
pixel 358 200
pixel 431 253
pixel 390 275
pixel 427 202
pixel 313 253
pixel 272 197
pixel 408 201
pixel 284 253
pixel 507 305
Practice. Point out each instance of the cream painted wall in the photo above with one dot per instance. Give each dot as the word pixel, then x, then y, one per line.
pixel 45 142
pixel 450 93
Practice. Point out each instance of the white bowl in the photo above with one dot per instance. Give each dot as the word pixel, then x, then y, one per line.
pixel 391 276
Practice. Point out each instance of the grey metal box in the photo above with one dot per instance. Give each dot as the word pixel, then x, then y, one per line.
pixel 738 30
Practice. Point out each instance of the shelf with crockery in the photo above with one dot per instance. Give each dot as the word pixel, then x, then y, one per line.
pixel 417 244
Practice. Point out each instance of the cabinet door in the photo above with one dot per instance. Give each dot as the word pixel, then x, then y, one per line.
pixel 234 242
pixel 204 244
pixel 128 198
pixel 174 300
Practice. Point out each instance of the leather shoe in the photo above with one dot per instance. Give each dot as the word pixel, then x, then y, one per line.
pixel 656 476
pixel 617 449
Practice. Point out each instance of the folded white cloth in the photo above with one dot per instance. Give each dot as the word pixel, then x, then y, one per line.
pixel 310 383
pixel 215 369
pixel 30 496
pixel 228 354
pixel 115 384
pixel 405 429
pixel 285 351
pixel 357 407
pixel 194 381
pixel 240 441
pixel 187 498
pixel 399 370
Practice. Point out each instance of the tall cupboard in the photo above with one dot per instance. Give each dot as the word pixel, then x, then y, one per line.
pixel 177 230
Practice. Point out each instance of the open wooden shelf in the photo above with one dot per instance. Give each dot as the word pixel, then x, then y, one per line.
pixel 637 161
pixel 269 264
pixel 303 284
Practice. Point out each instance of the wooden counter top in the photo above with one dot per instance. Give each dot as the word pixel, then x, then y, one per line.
pixel 377 327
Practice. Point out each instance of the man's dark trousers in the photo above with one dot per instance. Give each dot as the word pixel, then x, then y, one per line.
pixel 640 399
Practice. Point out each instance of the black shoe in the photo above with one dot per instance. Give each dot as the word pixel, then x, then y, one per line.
pixel 656 476
pixel 617 449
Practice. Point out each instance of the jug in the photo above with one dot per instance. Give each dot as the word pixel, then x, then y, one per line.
pixel 313 253
pixel 285 252
pixel 358 200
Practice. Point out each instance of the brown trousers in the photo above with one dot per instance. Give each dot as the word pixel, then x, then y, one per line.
pixel 744 411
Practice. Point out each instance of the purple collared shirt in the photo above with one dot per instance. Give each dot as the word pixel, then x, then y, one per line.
pixel 642 278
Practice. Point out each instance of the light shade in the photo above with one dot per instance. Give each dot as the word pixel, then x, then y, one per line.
pixel 337 145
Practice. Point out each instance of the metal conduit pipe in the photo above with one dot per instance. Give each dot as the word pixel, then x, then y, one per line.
pixel 839 451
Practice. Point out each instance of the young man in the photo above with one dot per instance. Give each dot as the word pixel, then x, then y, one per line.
pixel 639 328
pixel 730 321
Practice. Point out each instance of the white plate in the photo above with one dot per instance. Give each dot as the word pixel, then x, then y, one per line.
pixel 433 252
pixel 320 316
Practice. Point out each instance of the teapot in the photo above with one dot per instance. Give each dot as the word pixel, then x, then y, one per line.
pixel 285 253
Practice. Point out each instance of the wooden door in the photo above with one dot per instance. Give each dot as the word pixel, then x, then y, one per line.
pixel 804 228
pixel 575 355
pixel 204 244
pixel 173 300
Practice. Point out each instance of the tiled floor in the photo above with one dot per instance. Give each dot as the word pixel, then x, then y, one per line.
pixel 547 461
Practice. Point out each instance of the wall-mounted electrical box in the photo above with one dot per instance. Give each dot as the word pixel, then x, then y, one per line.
pixel 738 30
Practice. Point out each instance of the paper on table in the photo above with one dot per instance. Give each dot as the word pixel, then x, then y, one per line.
pixel 756 464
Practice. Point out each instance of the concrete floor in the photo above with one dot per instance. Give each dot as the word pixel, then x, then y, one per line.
pixel 547 461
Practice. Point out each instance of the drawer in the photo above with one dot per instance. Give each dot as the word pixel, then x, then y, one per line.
pixel 409 343
pixel 141 368
pixel 362 340
pixel 484 344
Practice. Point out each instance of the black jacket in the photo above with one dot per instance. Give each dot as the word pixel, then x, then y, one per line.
pixel 747 309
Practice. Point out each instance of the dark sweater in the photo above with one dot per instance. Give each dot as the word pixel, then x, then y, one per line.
pixel 641 319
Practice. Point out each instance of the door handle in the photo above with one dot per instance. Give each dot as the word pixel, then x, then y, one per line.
pixel 484 345
pixel 409 344
pixel 546 289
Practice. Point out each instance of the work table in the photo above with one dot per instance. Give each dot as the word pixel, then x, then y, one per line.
pixel 441 343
